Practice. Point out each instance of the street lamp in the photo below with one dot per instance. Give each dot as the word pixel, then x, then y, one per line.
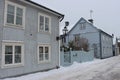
pixel 65 30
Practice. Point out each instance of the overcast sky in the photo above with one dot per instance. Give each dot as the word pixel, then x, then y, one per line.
pixel 106 13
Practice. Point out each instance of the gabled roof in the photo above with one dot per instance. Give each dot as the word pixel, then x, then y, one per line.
pixel 101 31
pixel 79 21
pixel 43 7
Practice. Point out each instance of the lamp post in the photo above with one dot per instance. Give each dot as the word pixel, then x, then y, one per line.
pixel 63 37
pixel 65 30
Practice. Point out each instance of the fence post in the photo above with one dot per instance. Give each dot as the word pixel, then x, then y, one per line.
pixel 70 49
pixel 62 49
pixel 82 49
pixel 70 58
pixel 62 57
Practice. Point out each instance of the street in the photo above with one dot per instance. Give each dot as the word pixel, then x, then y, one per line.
pixel 108 69
pixel 105 69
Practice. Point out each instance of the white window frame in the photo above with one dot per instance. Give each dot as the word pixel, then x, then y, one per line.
pixel 5 15
pixel 40 14
pixel 44 45
pixel 13 44
pixel 82 26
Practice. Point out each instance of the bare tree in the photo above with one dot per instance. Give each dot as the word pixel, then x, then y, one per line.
pixel 79 44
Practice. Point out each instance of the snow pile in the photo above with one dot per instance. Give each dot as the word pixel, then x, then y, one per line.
pixel 107 69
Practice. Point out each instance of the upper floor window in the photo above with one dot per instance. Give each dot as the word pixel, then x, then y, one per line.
pixel 14 14
pixel 82 26
pixel 43 23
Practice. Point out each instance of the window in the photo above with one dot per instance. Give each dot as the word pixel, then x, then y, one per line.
pixel 43 53
pixel 10 14
pixel 12 54
pixel 44 23
pixel 14 14
pixel 19 16
pixel 76 37
pixel 103 38
pixel 82 26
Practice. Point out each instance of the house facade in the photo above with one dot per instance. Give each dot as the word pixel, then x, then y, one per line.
pixel 27 37
pixel 97 39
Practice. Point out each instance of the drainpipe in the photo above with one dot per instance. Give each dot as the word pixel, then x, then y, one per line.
pixel 100 45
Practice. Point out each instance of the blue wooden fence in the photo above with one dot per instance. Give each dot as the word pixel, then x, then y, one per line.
pixel 67 58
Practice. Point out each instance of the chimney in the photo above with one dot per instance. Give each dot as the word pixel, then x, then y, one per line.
pixel 90 20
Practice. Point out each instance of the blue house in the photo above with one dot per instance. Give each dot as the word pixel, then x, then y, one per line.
pixel 28 33
pixel 98 40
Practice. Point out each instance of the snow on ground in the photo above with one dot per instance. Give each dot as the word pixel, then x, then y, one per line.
pixel 106 69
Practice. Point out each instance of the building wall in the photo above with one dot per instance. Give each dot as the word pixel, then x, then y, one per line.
pixel 1 25
pixel 106 45
pixel 31 38
pixel 90 33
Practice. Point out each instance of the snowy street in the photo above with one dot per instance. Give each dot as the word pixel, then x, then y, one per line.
pixel 106 69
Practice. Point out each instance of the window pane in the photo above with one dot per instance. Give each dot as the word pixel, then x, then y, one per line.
pixel 46 24
pixel 8 54
pixel 18 58
pixel 46 53
pixel 41 22
pixel 40 57
pixel 8 59
pixel 40 49
pixel 83 26
pixel 17 50
pixel 17 54
pixel 46 56
pixel 8 50
pixel 18 20
pixel 10 9
pixel 41 54
pixel 10 18
pixel 46 20
pixel 46 27
pixel 19 12
pixel 77 37
pixel 10 14
pixel 19 15
pixel 46 50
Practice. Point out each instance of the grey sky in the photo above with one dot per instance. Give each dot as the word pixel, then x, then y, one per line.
pixel 106 13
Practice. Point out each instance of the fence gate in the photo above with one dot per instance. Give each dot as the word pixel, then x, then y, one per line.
pixel 67 57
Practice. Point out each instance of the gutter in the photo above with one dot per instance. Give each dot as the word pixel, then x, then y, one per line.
pixel 62 18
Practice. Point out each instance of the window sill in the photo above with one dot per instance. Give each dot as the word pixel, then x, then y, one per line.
pixel 44 62
pixel 45 32
pixel 13 26
pixel 12 65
